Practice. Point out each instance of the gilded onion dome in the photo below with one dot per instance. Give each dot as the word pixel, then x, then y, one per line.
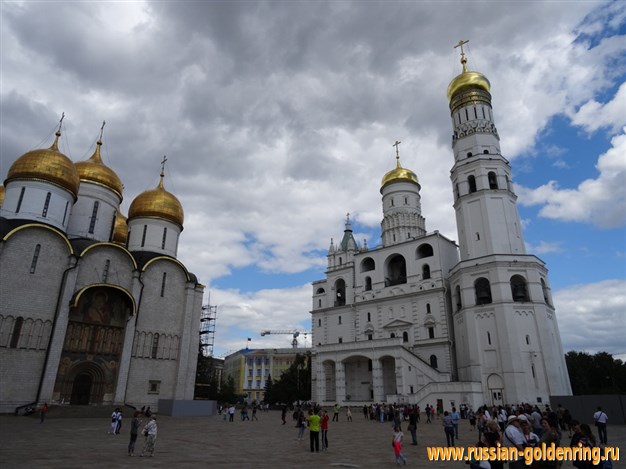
pixel 120 229
pixel 157 203
pixel 467 80
pixel 399 174
pixel 48 165
pixel 95 171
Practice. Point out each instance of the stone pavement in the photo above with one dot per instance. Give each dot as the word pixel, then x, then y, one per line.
pixel 196 441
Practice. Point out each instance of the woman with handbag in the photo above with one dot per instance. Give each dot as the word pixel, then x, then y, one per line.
pixel 150 432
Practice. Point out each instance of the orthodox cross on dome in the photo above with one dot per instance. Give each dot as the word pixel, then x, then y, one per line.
pixel 463 59
pixel 348 217
pixel 397 144
pixel 101 131
pixel 163 166
pixel 58 134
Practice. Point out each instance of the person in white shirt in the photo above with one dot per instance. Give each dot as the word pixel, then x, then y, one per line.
pixel 514 438
pixel 601 418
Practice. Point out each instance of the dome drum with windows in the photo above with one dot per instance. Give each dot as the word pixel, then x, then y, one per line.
pixel 48 165
pixel 157 203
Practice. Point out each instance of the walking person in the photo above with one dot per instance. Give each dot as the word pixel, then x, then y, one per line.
pixel 231 413
pixel 43 411
pixel 455 422
pixel 118 426
pixel 336 408
pixel 300 425
pixel 412 428
pixel 113 429
pixel 150 432
pixel 324 428
pixel 314 431
pixel 601 418
pixel 283 414
pixel 398 436
pixel 348 414
pixel 135 423
pixel 448 428
pixel 254 417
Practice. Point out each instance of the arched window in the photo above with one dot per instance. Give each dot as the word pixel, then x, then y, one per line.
pixel 424 250
pixel 527 339
pixel 405 336
pixel 340 292
pixel 493 180
pixel 489 338
pixel 427 308
pixel 508 183
pixel 368 264
pixel 433 361
pixel 369 317
pixel 368 283
pixel 482 289
pixel 471 180
pixel 486 152
pixel 319 303
pixel 431 332
pixel 459 302
pixel 392 335
pixel 519 289
pixel 546 292
pixel 425 271
pixel 469 154
pixel 319 291
pixel 396 271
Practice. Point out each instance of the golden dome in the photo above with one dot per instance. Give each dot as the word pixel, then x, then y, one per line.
pixel 399 174
pixel 48 165
pixel 1 195
pixel 95 171
pixel 467 80
pixel 157 203
pixel 120 229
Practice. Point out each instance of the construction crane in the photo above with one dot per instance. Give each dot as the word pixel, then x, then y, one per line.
pixel 295 334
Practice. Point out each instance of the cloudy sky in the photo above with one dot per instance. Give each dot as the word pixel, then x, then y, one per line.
pixel 278 118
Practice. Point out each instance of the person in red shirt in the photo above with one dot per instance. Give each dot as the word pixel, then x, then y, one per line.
pixel 324 428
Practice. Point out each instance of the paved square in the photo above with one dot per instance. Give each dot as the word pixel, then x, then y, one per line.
pixel 192 442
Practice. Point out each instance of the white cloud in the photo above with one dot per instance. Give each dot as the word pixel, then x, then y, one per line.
pixel 600 201
pixel 594 115
pixel 544 247
pixel 592 316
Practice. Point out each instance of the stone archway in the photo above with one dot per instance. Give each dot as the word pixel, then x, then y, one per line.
pixel 93 345
pixel 495 385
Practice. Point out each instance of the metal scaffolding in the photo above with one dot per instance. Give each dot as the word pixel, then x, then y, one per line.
pixel 207 329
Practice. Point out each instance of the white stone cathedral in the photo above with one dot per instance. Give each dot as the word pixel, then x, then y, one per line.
pixel 95 309
pixel 423 320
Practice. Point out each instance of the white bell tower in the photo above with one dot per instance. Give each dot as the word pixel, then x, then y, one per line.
pixel 505 328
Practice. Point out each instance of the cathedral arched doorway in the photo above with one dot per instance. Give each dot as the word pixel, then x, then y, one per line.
pixel 495 385
pixel 81 389
pixel 93 345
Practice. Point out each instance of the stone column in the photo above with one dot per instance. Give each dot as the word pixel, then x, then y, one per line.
pixel 340 382
pixel 377 380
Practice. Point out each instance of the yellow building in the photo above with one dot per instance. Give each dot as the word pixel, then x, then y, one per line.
pixel 250 368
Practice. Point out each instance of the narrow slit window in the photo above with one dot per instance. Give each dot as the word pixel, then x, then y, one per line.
pixel 17 331
pixel 143 236
pixel 163 284
pixel 155 346
pixel 46 205
pixel 105 272
pixel 164 238
pixel 33 264
pixel 67 204
pixel 94 215
pixel 19 201
pixel 475 113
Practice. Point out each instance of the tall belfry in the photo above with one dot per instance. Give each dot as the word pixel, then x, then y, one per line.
pixel 505 327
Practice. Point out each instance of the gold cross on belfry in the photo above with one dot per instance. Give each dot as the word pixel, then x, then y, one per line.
pixel 397 144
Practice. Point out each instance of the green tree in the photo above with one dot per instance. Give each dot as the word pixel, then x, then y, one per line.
pixel 595 374
pixel 295 382
pixel 228 392
pixel 269 388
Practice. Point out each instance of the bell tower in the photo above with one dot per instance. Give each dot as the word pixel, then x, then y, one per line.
pixel 505 328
